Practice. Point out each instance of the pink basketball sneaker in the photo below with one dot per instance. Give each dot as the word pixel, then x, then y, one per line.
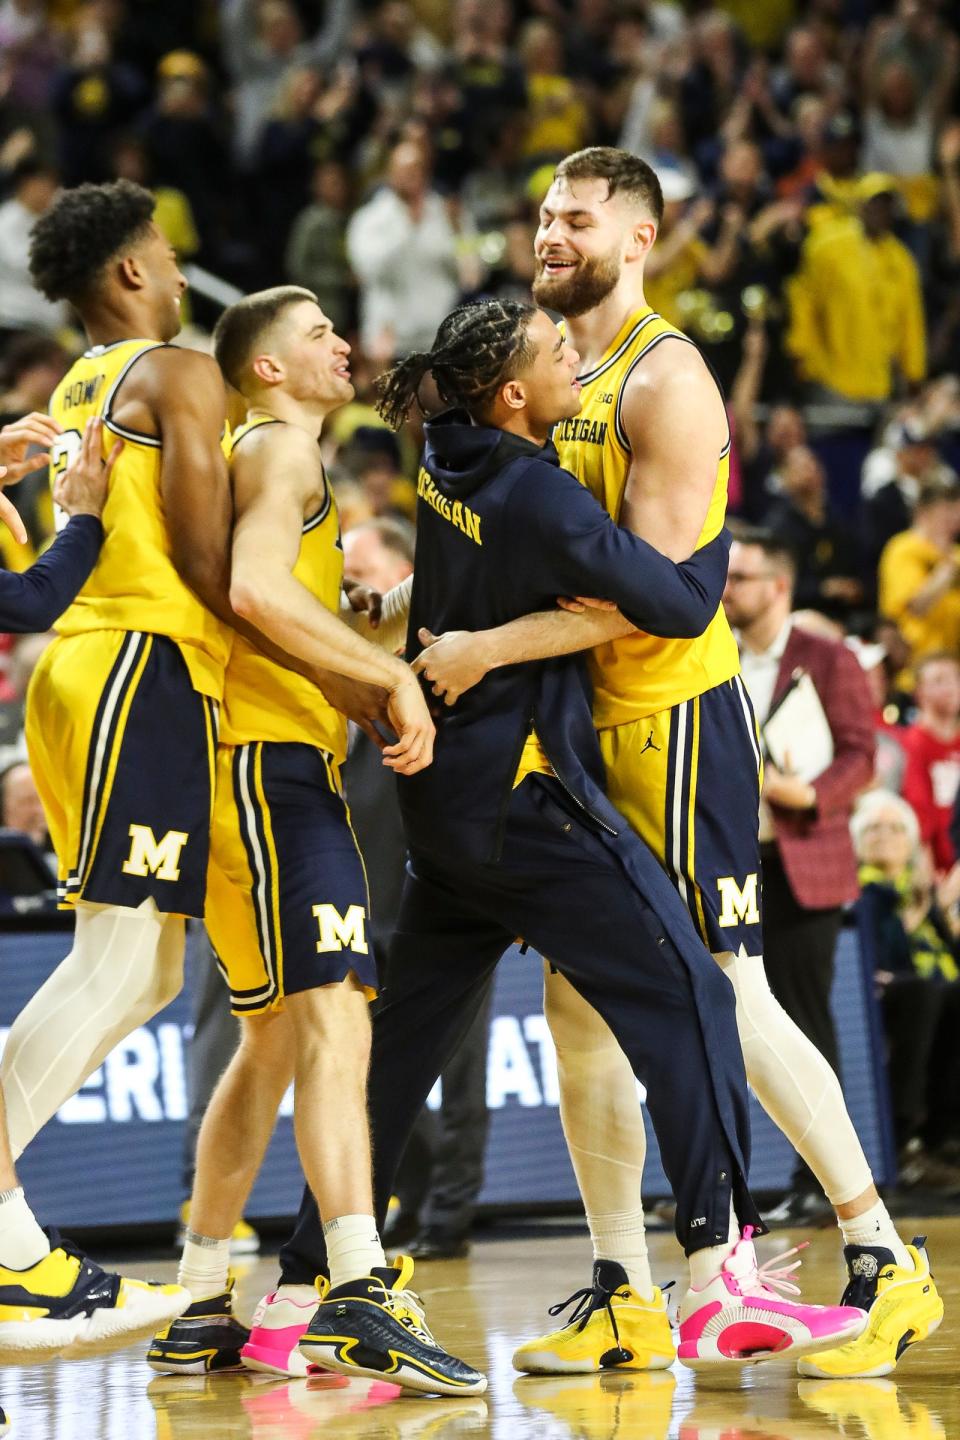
pixel 278 1322
pixel 740 1319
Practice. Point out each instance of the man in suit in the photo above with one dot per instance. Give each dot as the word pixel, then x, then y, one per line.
pixel 809 868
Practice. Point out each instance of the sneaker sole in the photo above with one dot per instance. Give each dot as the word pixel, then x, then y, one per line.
pixel 878 1371
pixel 764 1357
pixel 542 1362
pixel 39 1337
pixel 408 1378
pixel 196 1362
pixel 271 1362
pixel 112 1329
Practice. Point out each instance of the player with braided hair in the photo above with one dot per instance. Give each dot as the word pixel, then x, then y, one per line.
pixel 506 842
pixel 476 348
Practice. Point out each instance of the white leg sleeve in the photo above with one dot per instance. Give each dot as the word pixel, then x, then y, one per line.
pixel 125 965
pixel 794 1084
pixel 603 1125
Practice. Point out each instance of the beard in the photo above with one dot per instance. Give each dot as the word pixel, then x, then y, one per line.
pixel 582 290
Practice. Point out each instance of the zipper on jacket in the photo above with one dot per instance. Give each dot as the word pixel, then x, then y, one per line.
pixel 505 803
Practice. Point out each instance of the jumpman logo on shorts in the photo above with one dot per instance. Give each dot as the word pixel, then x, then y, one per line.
pixel 648 744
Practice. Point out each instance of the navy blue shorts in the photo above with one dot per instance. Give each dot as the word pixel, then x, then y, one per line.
pixel 688 781
pixel 287 905
pixel 122 748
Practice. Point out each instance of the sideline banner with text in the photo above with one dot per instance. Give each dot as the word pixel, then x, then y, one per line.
pixel 113 1154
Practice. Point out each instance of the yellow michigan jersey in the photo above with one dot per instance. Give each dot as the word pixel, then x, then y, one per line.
pixel 135 585
pixel 641 674
pixel 261 699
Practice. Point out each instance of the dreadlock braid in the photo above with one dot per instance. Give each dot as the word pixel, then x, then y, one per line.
pixel 477 347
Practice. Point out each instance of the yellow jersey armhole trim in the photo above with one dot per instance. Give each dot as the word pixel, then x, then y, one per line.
pixel 618 431
pixel 137 437
pixel 133 437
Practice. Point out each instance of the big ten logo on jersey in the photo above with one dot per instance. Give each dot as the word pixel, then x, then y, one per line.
pixel 738 903
pixel 150 856
pixel 341 932
pixel 63 452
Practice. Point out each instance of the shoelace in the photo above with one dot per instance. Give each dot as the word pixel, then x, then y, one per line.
pixel 587 1302
pixel 398 1300
pixel 772 1274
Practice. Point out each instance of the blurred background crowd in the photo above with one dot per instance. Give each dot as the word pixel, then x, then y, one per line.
pixel 392 156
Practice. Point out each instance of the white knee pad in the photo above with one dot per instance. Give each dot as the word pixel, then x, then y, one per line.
pixel 795 1084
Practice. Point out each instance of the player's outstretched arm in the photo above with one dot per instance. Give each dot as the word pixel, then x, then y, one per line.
pixel 275 476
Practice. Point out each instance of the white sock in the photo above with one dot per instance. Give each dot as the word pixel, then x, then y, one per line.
pixel 874 1227
pixel 706 1264
pixel 621 1237
pixel 353 1248
pixel 22 1242
pixel 204 1265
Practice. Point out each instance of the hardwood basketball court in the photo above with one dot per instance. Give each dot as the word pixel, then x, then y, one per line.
pixel 481 1308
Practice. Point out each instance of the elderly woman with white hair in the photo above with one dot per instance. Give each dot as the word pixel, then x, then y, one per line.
pixel 911 928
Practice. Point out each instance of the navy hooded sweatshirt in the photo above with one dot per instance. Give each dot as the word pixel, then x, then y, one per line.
pixel 502 530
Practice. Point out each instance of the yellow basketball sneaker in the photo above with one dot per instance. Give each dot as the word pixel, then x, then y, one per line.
pixel 66 1304
pixel 903 1307
pixel 611 1328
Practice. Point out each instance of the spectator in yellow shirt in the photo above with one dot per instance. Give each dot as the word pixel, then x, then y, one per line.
pixel 919 579
pixel 856 326
pixel 556 116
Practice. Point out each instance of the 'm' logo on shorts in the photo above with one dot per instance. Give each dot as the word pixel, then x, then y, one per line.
pixel 150 856
pixel 339 932
pixel 739 906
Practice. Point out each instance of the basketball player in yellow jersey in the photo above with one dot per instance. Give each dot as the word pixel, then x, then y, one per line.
pixel 122 710
pixel 287 907
pixel 680 749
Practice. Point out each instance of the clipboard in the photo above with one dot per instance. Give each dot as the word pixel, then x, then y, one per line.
pixel 797 729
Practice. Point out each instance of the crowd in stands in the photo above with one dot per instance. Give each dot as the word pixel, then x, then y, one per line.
pixel 391 155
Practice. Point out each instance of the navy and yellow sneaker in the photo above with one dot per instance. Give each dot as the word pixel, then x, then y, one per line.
pixel 903 1307
pixel 206 1337
pixel 65 1304
pixel 375 1326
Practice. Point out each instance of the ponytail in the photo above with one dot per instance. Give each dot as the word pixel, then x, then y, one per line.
pixel 477 347
pixel 398 388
